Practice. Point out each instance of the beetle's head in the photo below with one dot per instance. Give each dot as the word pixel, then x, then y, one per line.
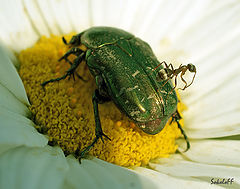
pixel 191 68
pixel 75 40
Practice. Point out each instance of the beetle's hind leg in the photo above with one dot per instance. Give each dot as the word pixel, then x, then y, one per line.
pixel 96 99
pixel 176 117
pixel 70 71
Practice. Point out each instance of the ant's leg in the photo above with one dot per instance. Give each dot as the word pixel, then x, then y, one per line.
pixel 175 82
pixel 171 66
pixel 192 79
pixel 176 117
pixel 166 82
pixel 96 99
pixel 171 75
pixel 165 64
pixel 183 81
pixel 70 71
pixel 161 64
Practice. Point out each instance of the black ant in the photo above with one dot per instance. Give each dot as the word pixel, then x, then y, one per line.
pixel 169 72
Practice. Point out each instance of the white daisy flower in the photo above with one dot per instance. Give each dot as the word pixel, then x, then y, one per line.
pixel 205 33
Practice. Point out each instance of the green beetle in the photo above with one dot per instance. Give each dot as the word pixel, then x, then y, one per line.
pixel 124 67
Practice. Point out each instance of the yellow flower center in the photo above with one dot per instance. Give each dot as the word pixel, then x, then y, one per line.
pixel 64 111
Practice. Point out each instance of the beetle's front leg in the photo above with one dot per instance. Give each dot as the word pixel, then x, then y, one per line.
pixel 76 51
pixel 96 99
pixel 70 71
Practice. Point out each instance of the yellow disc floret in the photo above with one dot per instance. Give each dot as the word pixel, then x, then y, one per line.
pixel 64 111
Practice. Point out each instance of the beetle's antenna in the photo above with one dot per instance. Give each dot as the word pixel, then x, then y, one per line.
pixel 64 41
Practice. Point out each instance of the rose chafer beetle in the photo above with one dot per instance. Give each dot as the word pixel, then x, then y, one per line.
pixel 124 67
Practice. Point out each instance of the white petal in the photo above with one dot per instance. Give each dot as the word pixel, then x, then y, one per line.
pixel 159 23
pixel 97 12
pixel 96 173
pixel 47 13
pixel 170 182
pixel 225 152
pixel 228 130
pixel 9 78
pixel 77 176
pixel 28 168
pixel 191 12
pixel 59 12
pixel 213 98
pixel 130 12
pixel 57 17
pixel 216 74
pixel 127 178
pixel 80 14
pixel 211 30
pixel 36 18
pixel 16 29
pixel 17 130
pixel 9 102
pixel 10 54
pixel 183 168
pixel 106 12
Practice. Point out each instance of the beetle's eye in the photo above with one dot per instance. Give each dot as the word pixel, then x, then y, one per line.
pixel 161 75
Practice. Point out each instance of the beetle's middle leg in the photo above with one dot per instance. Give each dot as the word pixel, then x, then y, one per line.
pixel 96 99
pixel 70 71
